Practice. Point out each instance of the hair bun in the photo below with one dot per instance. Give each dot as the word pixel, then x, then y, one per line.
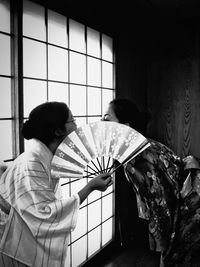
pixel 27 130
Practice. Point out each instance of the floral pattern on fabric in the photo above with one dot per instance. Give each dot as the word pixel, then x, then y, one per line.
pixel 168 195
pixel 156 178
pixel 186 248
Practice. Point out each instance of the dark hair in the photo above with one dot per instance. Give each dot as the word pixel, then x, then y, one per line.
pixel 44 120
pixel 127 112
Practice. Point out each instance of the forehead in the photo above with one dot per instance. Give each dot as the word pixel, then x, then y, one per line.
pixel 109 114
pixel 70 114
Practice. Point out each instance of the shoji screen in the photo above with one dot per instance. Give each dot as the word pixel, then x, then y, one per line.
pixel 7 139
pixel 65 60
pixel 58 59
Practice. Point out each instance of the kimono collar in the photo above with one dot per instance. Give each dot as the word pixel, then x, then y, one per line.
pixel 40 149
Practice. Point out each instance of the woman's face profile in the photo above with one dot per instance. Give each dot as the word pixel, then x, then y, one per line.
pixel 110 115
pixel 70 125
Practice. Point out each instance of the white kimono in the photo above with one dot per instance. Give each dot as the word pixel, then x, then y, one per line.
pixel 38 226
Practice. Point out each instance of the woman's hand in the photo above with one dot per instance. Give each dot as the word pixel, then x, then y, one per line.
pixel 100 182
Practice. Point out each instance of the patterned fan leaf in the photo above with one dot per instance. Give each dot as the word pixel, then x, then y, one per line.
pixel 91 148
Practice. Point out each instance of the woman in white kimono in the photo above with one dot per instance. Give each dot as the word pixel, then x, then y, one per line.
pixel 35 221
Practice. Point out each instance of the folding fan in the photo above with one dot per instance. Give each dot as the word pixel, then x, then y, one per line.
pixel 92 149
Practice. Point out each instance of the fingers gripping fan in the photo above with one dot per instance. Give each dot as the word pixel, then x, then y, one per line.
pixel 92 148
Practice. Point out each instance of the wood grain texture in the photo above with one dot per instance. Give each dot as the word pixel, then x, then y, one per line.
pixel 174 96
pixel 160 71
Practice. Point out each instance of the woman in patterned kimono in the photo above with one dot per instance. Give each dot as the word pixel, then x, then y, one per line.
pixel 35 220
pixel 168 200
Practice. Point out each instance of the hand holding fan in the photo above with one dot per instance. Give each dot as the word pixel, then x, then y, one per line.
pixel 91 149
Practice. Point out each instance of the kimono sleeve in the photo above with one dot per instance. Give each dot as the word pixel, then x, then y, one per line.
pixel 35 201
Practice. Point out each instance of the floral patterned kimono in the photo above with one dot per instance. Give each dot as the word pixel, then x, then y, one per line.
pixel 170 201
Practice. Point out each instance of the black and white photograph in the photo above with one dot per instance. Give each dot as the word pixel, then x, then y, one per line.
pixel 99 133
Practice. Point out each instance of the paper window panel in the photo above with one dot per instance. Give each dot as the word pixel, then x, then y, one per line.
pixel 93 43
pixel 57 29
pixel 5 16
pixel 107 74
pixel 58 92
pixel 5 99
pixel 107 96
pixel 93 196
pixel 81 227
pixel 94 241
pixel 94 214
pixel 107 48
pixel 76 186
pixel 77 68
pixel 78 100
pixel 77 36
pixel 80 121
pixel 5 55
pixel 107 231
pixel 35 93
pixel 79 251
pixel 57 64
pixel 107 207
pixel 34 21
pixel 6 141
pixel 94 101
pixel 34 59
pixel 94 71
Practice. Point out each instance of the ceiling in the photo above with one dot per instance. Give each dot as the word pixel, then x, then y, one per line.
pixel 180 8
pixel 115 11
pixel 124 8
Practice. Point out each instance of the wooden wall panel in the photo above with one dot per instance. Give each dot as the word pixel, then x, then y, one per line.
pixel 174 94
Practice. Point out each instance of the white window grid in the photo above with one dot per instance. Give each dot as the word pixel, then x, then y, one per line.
pixel 51 40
